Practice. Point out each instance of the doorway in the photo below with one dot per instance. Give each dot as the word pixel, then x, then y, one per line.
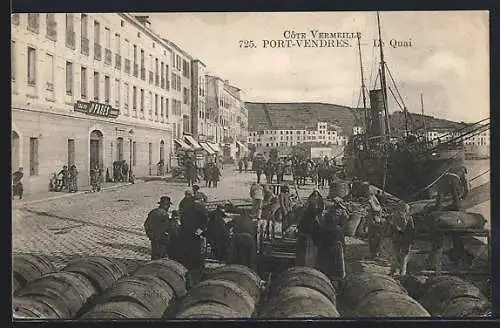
pixel 96 149
pixel 119 145
pixel 15 160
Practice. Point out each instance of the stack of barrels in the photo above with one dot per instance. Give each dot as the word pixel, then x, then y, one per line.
pixel 147 293
pixel 450 296
pixel 371 294
pixel 300 292
pixel 67 293
pixel 230 291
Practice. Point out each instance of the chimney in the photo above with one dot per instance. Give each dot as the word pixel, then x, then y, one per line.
pixel 144 20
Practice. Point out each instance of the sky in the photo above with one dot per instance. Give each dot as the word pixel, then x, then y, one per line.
pixel 448 61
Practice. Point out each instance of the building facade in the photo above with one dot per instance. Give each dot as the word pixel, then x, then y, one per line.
pixel 199 115
pixel 88 89
pixel 323 133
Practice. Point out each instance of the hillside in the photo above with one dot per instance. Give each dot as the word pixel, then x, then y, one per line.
pixel 262 116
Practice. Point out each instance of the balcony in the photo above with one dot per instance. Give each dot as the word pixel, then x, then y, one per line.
pixel 118 62
pixel 136 70
pixel 107 56
pixel 157 80
pixel 127 66
pixel 84 45
pixel 52 31
pixel 70 39
pixel 97 51
pixel 151 77
pixel 143 74
pixel 162 83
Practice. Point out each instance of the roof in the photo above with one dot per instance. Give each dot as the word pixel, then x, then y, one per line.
pixel 177 48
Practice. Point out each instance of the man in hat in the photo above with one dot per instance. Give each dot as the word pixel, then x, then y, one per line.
pixel 243 244
pixel 217 233
pixel 198 195
pixel 156 226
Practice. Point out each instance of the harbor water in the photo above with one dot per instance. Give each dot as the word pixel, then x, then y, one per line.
pixel 475 168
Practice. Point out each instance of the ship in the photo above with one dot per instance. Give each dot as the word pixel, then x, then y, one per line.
pixel 406 165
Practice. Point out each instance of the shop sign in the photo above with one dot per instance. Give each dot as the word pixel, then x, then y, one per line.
pixel 96 109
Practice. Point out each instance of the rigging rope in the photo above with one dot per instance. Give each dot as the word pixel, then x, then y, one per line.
pixel 477 176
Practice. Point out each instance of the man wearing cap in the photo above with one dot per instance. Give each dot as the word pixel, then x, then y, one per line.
pixel 157 226
pixel 217 233
pixel 198 195
pixel 401 231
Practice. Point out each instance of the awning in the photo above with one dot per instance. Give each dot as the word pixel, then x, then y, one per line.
pixel 214 146
pixel 193 142
pixel 242 147
pixel 182 144
pixel 207 148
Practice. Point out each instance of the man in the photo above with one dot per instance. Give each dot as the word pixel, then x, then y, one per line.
pixel 156 226
pixel 259 166
pixel 73 179
pixel 257 196
pixel 185 203
pixel 245 163
pixel 198 195
pixel 215 175
pixel 285 205
pixel 190 170
pixel 243 249
pixel 217 233
pixel 65 176
pixel 17 184
pixel 308 229
pixel 402 230
pixel 375 226
pixel 454 183
pixel 240 165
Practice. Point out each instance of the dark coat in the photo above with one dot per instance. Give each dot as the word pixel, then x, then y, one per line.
pixel 156 224
pixel 217 235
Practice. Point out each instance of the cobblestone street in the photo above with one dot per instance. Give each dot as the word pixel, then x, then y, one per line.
pixel 109 223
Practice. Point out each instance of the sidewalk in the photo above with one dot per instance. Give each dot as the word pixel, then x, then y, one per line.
pixel 51 195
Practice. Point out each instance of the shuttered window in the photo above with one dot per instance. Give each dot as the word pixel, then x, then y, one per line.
pixel 33 156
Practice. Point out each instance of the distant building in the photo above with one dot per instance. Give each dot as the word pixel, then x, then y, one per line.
pixel 357 130
pixel 322 132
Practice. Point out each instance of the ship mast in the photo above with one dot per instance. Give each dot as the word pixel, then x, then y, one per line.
pixel 363 84
pixel 383 82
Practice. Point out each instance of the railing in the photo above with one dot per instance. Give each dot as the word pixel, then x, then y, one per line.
pixel 127 66
pixel 118 62
pixel 107 56
pixel 84 45
pixel 70 39
pixel 136 70
pixel 97 51
pixel 52 31
pixel 143 74
pixel 151 77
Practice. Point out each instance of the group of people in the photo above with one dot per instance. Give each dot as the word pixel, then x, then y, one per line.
pixel 180 236
pixel 269 167
pixel 66 179
pixel 243 164
pixel 210 171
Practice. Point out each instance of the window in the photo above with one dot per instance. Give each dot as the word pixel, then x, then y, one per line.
pixel 142 100
pixel 49 75
pixel 33 22
pixel 31 66
pixel 117 93
pixel 127 96
pixel 71 152
pixel 70 28
pixel 186 96
pixel 127 48
pixel 134 153
pixel 178 62
pixel 13 60
pixel 107 32
pixel 156 105
pixel 69 78
pixel 161 107
pixel 84 26
pixel 117 43
pixel 83 82
pixel 96 86
pixel 166 107
pixel 135 54
pixel 33 156
pixel 51 26
pixel 97 32
pixel 107 90
pixel 174 82
pixel 134 97
pixel 150 111
pixel 142 59
pixel 156 66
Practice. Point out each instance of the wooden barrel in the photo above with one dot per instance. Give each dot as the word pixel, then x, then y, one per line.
pixel 28 267
pixel 389 304
pixel 172 272
pixel 151 292
pixel 224 292
pixel 69 291
pixel 339 188
pixel 465 306
pixel 35 308
pixel 304 277
pixel 359 286
pixel 118 310
pixel 292 301
pixel 208 310
pixel 442 289
pixel 351 225
pixel 457 220
pixel 102 272
pixel 241 275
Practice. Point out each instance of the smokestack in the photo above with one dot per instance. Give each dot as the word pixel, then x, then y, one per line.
pixel 377 127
